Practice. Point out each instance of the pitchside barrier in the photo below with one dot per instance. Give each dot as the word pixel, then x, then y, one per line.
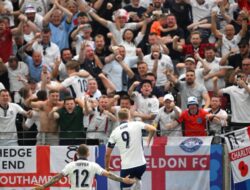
pixel 188 163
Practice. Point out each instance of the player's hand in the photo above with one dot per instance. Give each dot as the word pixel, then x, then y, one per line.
pixel 128 180
pixel 38 187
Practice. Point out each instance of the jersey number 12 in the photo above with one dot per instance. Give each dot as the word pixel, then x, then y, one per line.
pixel 84 174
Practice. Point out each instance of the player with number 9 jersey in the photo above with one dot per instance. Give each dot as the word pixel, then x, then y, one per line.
pixel 128 139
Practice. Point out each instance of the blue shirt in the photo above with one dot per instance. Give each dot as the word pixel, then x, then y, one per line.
pixel 34 71
pixel 60 34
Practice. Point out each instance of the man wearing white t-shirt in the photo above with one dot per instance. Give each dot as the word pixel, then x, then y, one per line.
pixel 49 50
pixel 8 112
pixel 158 63
pixel 82 172
pixel 168 113
pixel 128 139
pixel 229 39
pixel 240 100
pixel 18 74
pixel 201 8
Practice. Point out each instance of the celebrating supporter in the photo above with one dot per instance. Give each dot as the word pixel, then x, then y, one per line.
pixel 8 112
pixel 167 114
pixel 240 100
pixel 194 119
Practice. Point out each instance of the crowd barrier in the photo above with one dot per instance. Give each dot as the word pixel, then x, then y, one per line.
pixel 23 166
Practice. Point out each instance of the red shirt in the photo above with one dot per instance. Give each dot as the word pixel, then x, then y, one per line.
pixel 5 45
pixel 188 49
pixel 244 4
pixel 195 125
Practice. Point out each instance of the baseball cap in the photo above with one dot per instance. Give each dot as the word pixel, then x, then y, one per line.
pixel 30 9
pixel 168 97
pixel 192 101
pixel 190 59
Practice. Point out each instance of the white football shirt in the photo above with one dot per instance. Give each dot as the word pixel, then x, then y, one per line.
pixel 76 85
pixel 81 174
pixel 128 138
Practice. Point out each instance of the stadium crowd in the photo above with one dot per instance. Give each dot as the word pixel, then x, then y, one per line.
pixel 68 66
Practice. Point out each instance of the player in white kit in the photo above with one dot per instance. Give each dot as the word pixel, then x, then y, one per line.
pixel 128 138
pixel 82 172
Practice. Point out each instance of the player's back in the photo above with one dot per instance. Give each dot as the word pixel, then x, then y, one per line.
pixel 77 85
pixel 128 139
pixel 81 174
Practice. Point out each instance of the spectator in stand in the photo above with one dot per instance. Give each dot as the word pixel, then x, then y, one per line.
pixel 82 18
pixel 8 113
pixel 159 26
pixel 147 106
pixel 29 28
pixel 70 121
pixel 215 70
pixel 130 41
pixel 119 25
pixel 173 30
pixel 4 76
pixel 229 40
pixel 183 13
pixel 49 50
pixel 218 121
pixel 18 72
pixel 98 122
pixel 101 48
pixel 82 35
pixel 49 131
pixel 41 7
pixel 195 45
pixel 201 8
pixel 246 68
pixel 91 63
pixel 59 70
pixel 190 64
pixel 235 59
pixel 194 119
pixel 58 25
pixel 6 34
pixel 190 88
pixel 168 113
pixel 6 10
pixel 156 91
pixel 33 16
pixel 35 63
pixel 117 71
pixel 93 91
pixel 135 11
pixel 240 100
pixel 158 63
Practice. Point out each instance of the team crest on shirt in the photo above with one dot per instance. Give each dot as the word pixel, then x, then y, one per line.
pixel 162 64
pixel 11 112
pixel 191 144
pixel 149 105
pixel 199 120
pixel 206 6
